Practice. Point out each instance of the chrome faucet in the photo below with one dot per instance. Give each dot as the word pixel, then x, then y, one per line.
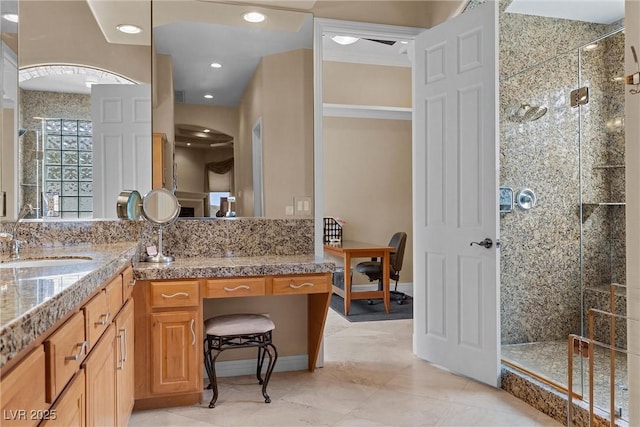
pixel 13 237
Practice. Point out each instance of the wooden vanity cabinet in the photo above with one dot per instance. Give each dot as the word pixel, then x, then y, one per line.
pixel 100 369
pixel 22 391
pixel 71 408
pixel 81 372
pixel 168 349
pixel 125 364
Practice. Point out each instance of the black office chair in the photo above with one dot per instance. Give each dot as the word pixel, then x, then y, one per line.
pixel 373 269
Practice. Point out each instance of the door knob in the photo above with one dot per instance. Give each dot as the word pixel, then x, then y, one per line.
pixel 487 243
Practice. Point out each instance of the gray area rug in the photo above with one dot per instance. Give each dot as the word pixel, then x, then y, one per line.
pixel 360 311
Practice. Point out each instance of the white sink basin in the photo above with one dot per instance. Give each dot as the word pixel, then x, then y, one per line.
pixel 44 262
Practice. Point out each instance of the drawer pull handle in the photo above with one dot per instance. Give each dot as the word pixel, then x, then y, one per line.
pixel 105 321
pixel 302 285
pixel 177 294
pixel 193 332
pixel 247 287
pixel 82 345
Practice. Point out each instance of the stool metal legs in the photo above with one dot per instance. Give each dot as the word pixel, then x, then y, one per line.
pixel 214 345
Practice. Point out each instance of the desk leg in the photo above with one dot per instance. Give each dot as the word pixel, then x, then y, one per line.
pixel 347 283
pixel 317 308
pixel 386 281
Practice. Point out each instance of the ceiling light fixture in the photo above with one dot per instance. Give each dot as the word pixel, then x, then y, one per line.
pixel 254 17
pixel 216 65
pixel 404 42
pixel 591 46
pixel 11 17
pixel 212 145
pixel 188 144
pixel 129 29
pixel 206 131
pixel 208 96
pixel 344 40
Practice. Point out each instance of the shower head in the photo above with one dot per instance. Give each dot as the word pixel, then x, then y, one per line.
pixel 525 113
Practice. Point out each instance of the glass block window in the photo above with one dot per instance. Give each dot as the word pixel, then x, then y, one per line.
pixel 68 165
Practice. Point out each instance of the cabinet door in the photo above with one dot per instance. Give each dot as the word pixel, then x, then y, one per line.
pixel 124 368
pixel 174 359
pixel 22 391
pixel 100 369
pixel 70 409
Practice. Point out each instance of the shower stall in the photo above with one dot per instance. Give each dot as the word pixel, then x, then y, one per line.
pixel 562 137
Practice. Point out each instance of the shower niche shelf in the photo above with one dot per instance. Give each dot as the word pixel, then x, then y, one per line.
pixel 588 208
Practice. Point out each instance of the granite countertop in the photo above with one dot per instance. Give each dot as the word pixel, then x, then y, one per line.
pixel 201 267
pixel 33 299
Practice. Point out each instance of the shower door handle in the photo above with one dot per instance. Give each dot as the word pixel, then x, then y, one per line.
pixel 487 243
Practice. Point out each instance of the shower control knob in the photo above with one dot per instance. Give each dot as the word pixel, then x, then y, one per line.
pixel 487 243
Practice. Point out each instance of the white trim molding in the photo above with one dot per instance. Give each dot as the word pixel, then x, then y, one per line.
pixel 366 111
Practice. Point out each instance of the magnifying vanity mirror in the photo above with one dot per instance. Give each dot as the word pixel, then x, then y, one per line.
pixel 161 208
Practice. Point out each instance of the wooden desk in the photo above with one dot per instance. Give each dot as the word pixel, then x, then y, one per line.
pixel 351 249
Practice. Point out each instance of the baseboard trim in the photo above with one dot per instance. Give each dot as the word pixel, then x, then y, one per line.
pixel 233 368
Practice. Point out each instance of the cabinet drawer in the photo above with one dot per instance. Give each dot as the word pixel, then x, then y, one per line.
pixel 114 294
pixel 97 316
pixel 300 285
pixel 127 283
pixel 174 294
pixel 23 391
pixel 239 287
pixel 65 351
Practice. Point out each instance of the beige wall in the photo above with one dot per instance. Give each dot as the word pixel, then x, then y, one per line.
pixel 65 32
pixel 190 165
pixel 367 162
pixel 281 93
pixel 163 110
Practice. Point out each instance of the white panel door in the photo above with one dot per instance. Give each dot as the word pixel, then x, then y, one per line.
pixel 121 116
pixel 455 179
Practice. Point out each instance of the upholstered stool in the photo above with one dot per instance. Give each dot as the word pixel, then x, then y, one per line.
pixel 239 331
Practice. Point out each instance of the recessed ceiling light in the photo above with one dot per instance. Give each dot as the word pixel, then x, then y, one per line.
pixel 404 42
pixel 11 17
pixel 206 131
pixel 208 96
pixel 254 17
pixel 591 46
pixel 188 144
pixel 129 28
pixel 216 65
pixel 344 40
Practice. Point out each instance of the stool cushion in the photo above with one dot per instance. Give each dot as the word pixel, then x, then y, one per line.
pixel 238 324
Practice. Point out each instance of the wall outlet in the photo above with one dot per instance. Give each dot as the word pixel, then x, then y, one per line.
pixel 288 210
pixel 302 205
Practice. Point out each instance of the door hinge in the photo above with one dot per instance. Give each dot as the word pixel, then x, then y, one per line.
pixel 580 96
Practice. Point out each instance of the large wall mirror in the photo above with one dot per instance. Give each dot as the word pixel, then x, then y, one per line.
pixel 70 131
pixel 237 99
pixel 252 140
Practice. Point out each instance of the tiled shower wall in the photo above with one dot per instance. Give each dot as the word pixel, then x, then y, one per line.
pixel 540 256
pixel 35 104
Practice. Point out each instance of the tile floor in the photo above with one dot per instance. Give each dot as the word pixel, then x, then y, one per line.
pixel 370 378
